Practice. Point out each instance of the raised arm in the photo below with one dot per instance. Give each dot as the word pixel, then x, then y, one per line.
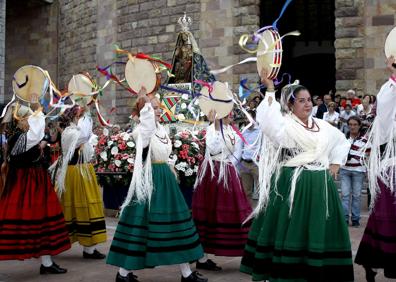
pixel 36 130
pixel 85 125
pixel 386 104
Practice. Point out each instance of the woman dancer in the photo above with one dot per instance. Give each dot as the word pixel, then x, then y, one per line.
pixel 155 227
pixel 31 219
pixel 299 233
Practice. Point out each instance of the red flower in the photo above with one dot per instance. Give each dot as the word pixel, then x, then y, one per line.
pixel 183 154
pixel 185 147
pixel 122 146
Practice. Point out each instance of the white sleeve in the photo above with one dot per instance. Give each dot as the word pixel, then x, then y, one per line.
pixel 271 120
pixel 214 140
pixel 339 146
pixel 386 109
pixel 85 125
pixel 147 125
pixel 36 130
pixel 238 149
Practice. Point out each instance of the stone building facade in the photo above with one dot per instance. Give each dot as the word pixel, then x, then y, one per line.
pixel 69 36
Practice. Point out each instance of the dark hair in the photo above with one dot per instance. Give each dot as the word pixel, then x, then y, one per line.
pixel 293 96
pixel 348 105
pixel 373 99
pixel 68 116
pixel 253 114
pixel 355 118
pixel 367 95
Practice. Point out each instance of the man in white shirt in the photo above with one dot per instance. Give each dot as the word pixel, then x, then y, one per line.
pixel 245 154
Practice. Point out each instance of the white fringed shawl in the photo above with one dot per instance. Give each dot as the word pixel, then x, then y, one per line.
pixel 310 150
pixel 382 132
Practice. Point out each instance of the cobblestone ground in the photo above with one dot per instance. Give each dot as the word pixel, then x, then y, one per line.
pixel 97 271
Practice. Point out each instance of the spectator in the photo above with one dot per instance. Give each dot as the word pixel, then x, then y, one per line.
pixel 316 101
pixel 245 154
pixel 323 108
pixel 344 116
pixel 351 94
pixel 331 116
pixel 353 172
pixel 364 111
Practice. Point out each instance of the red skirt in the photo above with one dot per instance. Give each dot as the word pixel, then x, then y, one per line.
pixel 219 213
pixel 31 218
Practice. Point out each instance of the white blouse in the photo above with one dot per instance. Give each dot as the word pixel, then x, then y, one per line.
pixel 324 147
pixel 221 149
pixel 153 134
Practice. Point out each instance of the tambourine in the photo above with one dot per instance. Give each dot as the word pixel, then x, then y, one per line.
pixel 269 53
pixel 142 73
pixel 81 88
pixel 222 104
pixel 390 43
pixel 30 83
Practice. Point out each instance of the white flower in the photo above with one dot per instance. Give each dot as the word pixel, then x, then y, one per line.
pixel 114 150
pixel 110 143
pixel 130 160
pixel 189 172
pixel 117 163
pixel 201 114
pixel 183 106
pixel 106 132
pixel 184 97
pixel 196 168
pixel 174 157
pixel 131 144
pixel 181 117
pixel 196 102
pixel 195 145
pixel 124 136
pixel 93 140
pixel 177 144
pixel 103 155
pixel 158 96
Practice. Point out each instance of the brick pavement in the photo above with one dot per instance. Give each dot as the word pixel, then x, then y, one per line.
pixel 97 271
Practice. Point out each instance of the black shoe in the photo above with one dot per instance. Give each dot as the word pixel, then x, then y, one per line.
pixel 129 278
pixel 94 255
pixel 208 265
pixel 194 277
pixel 370 274
pixel 355 224
pixel 53 269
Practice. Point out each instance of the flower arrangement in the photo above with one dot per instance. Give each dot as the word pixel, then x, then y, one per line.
pixel 183 111
pixel 188 153
pixel 115 153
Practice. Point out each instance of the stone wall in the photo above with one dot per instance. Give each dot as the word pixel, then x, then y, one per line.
pixel 361 30
pixel 379 19
pixel 2 47
pixel 349 45
pixel 77 38
pixel 31 38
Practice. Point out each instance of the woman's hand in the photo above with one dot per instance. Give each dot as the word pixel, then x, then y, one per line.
pixel 143 94
pixel 334 168
pixel 390 62
pixel 266 81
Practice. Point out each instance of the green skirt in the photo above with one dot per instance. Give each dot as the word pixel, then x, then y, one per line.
pixel 306 245
pixel 160 234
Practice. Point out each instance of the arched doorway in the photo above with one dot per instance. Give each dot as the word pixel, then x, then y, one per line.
pixel 311 56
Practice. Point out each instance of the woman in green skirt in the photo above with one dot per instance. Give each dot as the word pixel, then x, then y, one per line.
pixel 156 227
pixel 299 231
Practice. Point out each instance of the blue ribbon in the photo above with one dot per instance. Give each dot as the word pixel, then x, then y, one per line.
pixel 281 14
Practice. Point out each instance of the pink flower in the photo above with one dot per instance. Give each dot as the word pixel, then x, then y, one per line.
pixel 122 146
pixel 185 147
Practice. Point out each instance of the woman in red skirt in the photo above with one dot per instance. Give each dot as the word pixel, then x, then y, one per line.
pixel 220 205
pixel 31 219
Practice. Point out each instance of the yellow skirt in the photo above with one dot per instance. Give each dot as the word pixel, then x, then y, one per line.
pixel 83 206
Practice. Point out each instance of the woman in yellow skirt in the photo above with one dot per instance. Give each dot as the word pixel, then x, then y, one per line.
pixel 77 185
